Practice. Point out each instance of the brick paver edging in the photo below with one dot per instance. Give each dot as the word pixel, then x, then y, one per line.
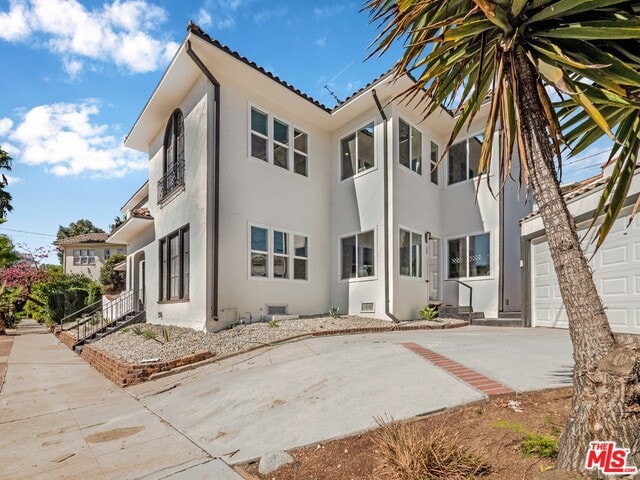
pixel 124 374
pixel 478 381
pixel 6 342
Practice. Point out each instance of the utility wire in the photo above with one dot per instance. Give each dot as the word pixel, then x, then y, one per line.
pixel 24 231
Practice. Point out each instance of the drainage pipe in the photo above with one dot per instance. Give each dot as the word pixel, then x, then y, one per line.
pixel 385 156
pixel 216 177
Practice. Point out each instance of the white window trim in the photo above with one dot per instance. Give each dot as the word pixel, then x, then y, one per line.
pixel 445 250
pixel 422 253
pixel 438 185
pixel 271 116
pixel 460 140
pixel 348 132
pixel 422 157
pixel 91 259
pixel 376 265
pixel 270 253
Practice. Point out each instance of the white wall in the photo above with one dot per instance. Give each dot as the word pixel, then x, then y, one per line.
pixel 253 191
pixel 357 205
pixel 187 208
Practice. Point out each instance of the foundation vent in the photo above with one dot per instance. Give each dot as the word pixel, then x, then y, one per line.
pixel 276 309
pixel 367 307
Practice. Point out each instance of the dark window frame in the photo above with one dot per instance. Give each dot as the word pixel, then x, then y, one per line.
pixel 173 157
pixel 165 293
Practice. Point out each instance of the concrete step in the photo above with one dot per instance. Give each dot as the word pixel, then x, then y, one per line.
pixel 499 322
pixel 453 309
pixel 462 315
pixel 516 315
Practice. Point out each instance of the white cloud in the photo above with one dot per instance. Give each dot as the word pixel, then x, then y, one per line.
pixel 328 11
pixel 203 18
pixel 220 14
pixel 120 31
pixel 5 125
pixel 320 42
pixel 63 138
pixel 11 180
pixel 72 67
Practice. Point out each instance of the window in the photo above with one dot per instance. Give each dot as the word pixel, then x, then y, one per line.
pixel 173 159
pixel 271 142
pixel 174 265
pixel 410 254
pixel 435 156
pixel 470 256
pixel 464 159
pixel 84 257
pixel 271 254
pixel 300 154
pixel 108 252
pixel 357 152
pixel 410 147
pixel 259 134
pixel 358 255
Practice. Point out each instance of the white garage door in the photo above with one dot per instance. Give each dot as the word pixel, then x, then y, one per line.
pixel 616 271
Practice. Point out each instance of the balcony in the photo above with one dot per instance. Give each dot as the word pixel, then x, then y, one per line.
pixel 170 183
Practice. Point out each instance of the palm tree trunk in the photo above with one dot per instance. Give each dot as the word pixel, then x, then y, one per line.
pixel 606 377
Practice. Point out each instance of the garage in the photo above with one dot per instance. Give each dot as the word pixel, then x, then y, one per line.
pixel 616 271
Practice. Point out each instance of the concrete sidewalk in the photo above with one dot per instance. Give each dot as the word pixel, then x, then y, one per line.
pixel 60 418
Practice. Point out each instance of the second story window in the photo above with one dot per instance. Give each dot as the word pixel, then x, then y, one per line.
pixel 173 160
pixel 464 159
pixel 84 257
pixel 357 152
pixel 410 146
pixel 271 139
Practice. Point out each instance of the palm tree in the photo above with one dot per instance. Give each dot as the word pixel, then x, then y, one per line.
pixel 511 53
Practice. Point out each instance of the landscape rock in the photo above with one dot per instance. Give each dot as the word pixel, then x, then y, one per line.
pixel 273 461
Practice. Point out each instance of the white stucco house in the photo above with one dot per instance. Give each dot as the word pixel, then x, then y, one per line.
pixel 262 201
pixel 85 254
pixel 615 266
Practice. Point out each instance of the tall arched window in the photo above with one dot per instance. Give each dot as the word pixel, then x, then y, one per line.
pixel 173 162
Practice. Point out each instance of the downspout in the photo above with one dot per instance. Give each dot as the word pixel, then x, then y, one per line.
pixel 216 177
pixel 385 157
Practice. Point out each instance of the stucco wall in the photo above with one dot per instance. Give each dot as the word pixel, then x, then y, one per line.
pixel 91 271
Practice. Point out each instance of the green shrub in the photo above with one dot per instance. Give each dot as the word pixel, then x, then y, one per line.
pixel 428 313
pixel 113 282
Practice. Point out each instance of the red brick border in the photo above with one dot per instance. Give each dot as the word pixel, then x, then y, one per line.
pixel 124 374
pixel 478 381
pixel 65 337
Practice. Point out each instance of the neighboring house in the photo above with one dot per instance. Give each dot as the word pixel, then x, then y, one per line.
pixel 86 254
pixel 261 201
pixel 615 266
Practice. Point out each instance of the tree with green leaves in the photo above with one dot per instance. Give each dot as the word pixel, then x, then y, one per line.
pixel 511 53
pixel 79 227
pixel 5 197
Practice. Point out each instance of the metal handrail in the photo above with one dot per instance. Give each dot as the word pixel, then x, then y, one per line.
pixel 78 312
pixel 470 294
pixel 110 313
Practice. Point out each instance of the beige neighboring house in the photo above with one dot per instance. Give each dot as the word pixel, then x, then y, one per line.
pixel 86 254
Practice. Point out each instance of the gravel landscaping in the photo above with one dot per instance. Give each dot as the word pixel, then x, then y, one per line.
pixel 134 346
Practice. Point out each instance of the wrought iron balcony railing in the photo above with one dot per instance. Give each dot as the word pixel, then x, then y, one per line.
pixel 171 181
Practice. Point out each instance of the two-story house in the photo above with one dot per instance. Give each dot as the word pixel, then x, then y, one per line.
pixel 86 254
pixel 262 201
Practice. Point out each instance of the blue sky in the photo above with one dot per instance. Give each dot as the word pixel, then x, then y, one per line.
pixel 76 75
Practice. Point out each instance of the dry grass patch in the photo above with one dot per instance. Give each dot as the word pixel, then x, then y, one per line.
pixel 404 451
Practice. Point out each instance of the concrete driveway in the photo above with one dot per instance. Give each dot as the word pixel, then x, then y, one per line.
pixel 318 389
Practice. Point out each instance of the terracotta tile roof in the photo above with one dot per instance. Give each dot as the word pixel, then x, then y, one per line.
pixel 196 30
pixel 141 212
pixel 85 238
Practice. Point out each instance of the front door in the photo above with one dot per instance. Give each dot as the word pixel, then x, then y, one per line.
pixel 434 266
